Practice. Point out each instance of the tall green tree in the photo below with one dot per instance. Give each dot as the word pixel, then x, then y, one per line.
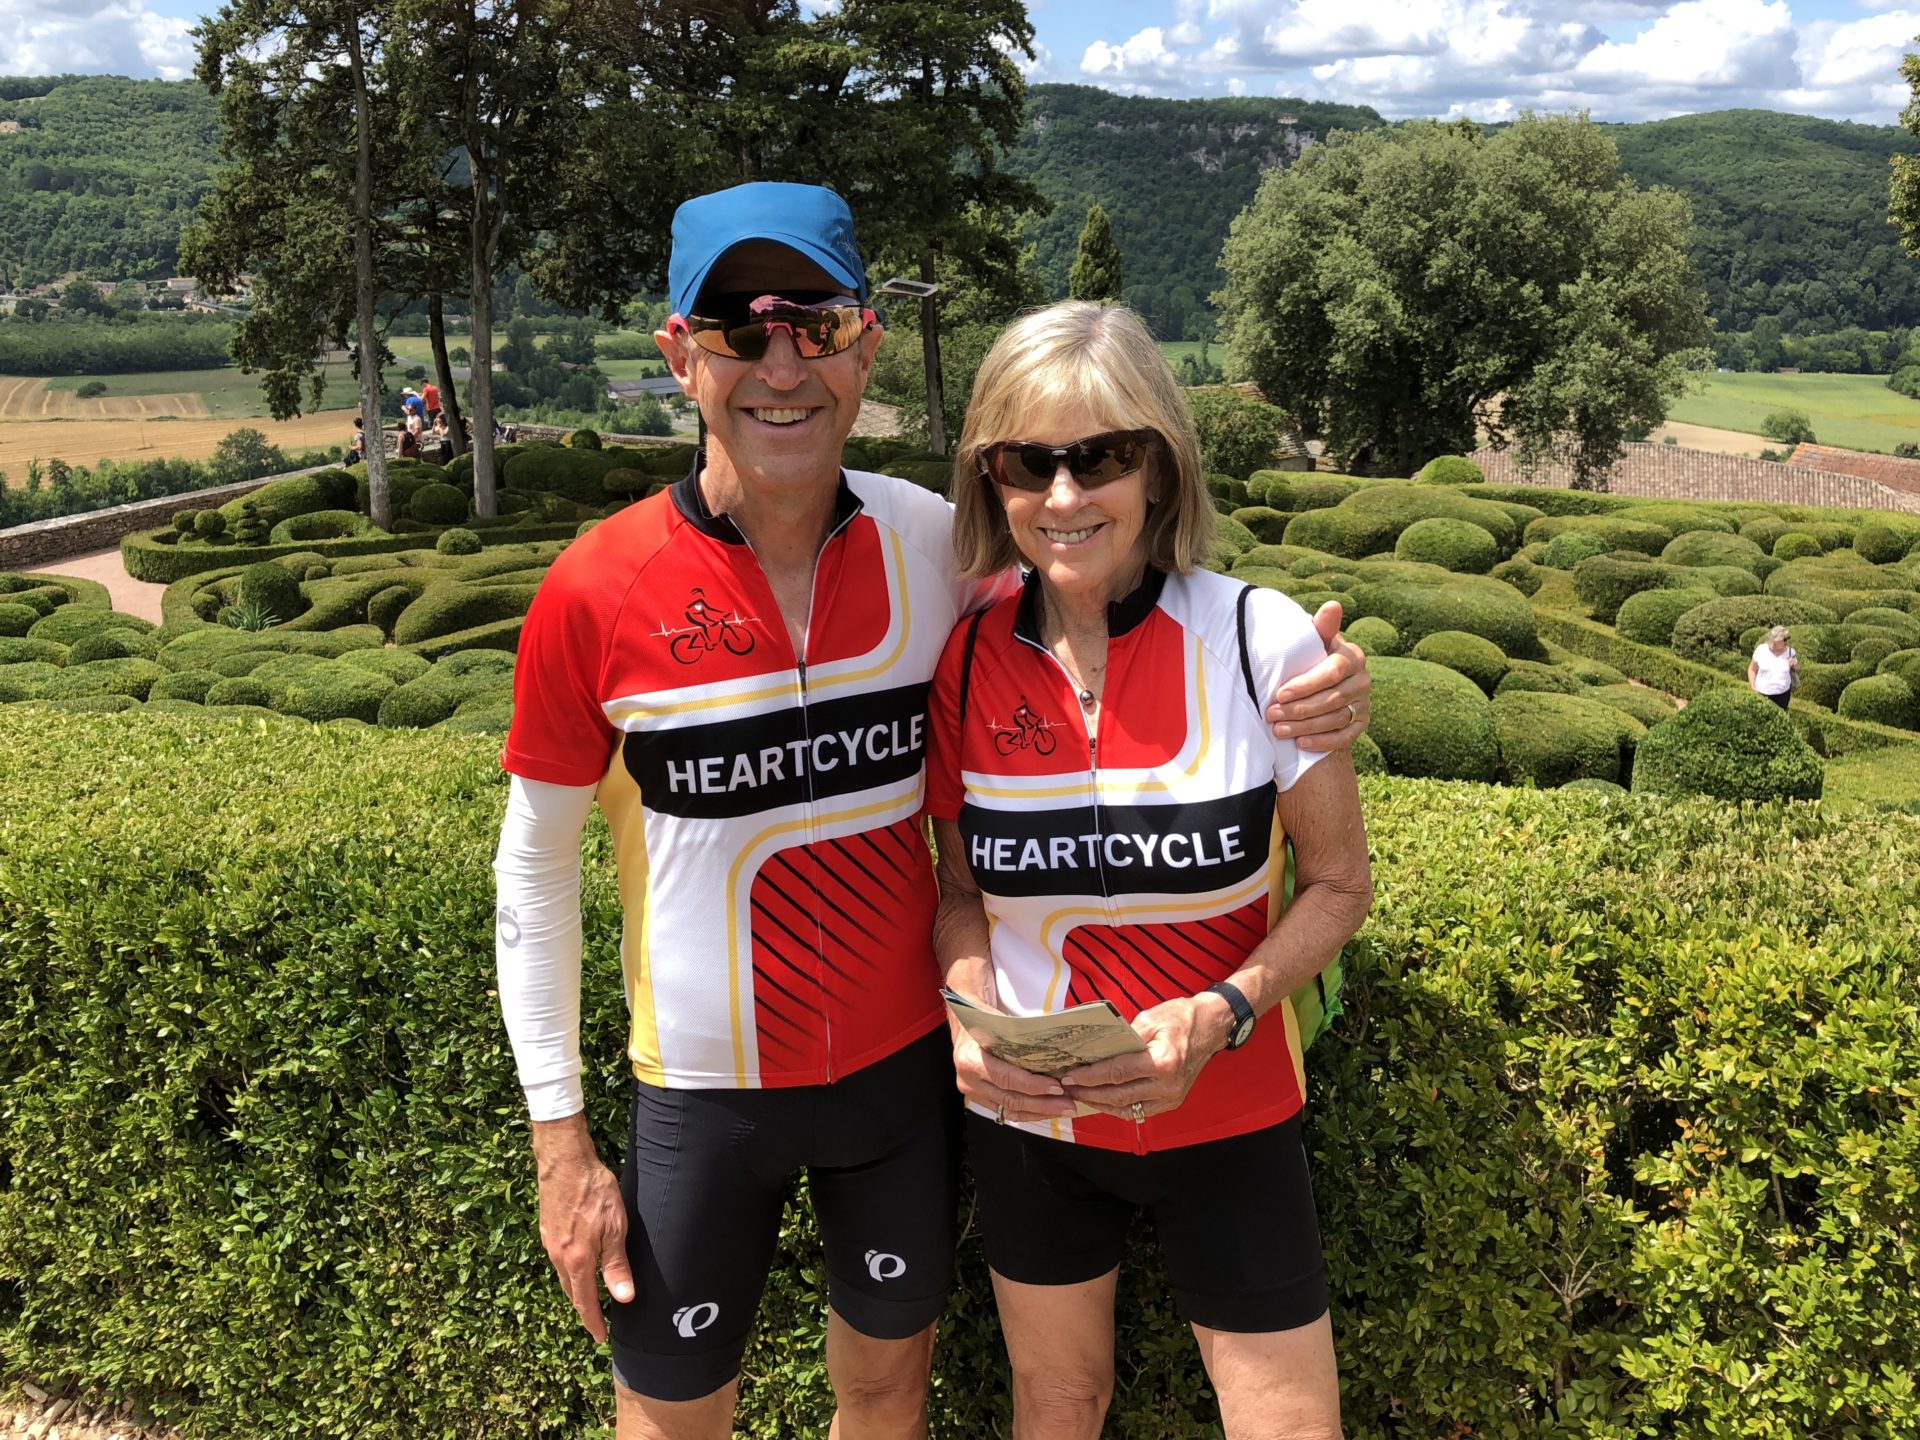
pixel 1402 292
pixel 1096 263
pixel 303 181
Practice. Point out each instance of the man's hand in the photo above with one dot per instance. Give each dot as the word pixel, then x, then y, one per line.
pixel 583 1221
pixel 1181 1036
pixel 1326 708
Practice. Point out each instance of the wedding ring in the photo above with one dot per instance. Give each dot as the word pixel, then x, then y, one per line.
pixel 1352 714
pixel 1139 1113
pixel 1000 1115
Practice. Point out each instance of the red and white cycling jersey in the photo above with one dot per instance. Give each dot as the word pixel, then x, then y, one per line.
pixel 1143 862
pixel 765 807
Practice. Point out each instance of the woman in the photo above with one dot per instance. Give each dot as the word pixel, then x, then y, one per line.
pixel 1105 795
pixel 1775 667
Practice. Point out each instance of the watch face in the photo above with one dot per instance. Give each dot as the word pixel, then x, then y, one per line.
pixel 1241 1033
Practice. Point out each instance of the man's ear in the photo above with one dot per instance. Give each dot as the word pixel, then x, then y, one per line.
pixel 870 339
pixel 677 349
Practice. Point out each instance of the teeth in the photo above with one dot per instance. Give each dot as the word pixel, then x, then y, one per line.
pixel 780 417
pixel 1067 537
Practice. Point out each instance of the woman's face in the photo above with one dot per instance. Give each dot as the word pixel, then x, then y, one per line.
pixel 1080 541
pixel 1779 647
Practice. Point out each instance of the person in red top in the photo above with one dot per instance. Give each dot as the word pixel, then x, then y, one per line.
pixel 1133 857
pixel 430 399
pixel 736 671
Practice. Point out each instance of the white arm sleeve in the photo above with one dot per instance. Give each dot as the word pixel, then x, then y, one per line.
pixel 537 939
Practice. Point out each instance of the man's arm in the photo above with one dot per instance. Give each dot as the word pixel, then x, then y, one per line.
pixel 537 959
pixel 1313 709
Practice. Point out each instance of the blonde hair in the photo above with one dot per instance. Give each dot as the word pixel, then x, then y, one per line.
pixel 1102 360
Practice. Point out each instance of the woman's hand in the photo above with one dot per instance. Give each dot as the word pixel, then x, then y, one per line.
pixel 1008 1091
pixel 1181 1036
pixel 1327 707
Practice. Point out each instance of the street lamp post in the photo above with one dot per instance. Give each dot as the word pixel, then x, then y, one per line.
pixel 925 291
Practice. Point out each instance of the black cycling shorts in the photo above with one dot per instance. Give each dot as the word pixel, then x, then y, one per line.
pixel 705 1178
pixel 1234 1218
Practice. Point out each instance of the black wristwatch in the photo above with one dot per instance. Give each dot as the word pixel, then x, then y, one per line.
pixel 1241 1030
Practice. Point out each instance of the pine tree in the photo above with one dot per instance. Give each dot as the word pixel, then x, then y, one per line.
pixel 1096 268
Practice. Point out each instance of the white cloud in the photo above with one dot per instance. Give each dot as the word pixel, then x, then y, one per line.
pixel 121 37
pixel 1491 59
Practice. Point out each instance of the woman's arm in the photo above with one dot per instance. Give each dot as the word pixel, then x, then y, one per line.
pixel 962 949
pixel 1333 890
pixel 1753 673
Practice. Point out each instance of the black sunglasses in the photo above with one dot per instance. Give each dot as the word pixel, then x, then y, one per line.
pixel 1092 461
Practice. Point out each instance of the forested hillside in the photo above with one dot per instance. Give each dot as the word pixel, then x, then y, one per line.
pixel 1789 213
pixel 99 175
pixel 1171 174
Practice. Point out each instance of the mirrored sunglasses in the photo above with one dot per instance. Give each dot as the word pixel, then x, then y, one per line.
pixel 743 331
pixel 1093 461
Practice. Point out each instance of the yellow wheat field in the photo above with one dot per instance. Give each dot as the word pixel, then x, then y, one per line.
pixel 89 441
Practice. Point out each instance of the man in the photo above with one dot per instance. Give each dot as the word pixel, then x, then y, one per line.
pixel 737 671
pixel 430 402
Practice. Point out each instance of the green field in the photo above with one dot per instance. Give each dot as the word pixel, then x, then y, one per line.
pixel 1855 411
pixel 230 395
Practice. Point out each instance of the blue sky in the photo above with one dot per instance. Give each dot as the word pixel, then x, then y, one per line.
pixel 1620 59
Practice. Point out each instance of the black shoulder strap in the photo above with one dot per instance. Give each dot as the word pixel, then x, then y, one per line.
pixel 1246 660
pixel 966 661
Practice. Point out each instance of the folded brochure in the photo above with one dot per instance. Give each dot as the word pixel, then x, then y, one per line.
pixel 1048 1044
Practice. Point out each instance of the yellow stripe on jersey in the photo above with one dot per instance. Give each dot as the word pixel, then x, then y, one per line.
pixel 736 904
pixel 897 575
pixel 1159 913
pixel 619 799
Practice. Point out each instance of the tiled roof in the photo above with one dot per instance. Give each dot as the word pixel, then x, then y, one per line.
pixel 1890 470
pixel 1674 472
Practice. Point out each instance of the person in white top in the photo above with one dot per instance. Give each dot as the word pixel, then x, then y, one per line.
pixel 1775 667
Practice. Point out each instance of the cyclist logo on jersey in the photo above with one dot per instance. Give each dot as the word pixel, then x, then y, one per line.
pixel 1028 732
pixel 708 630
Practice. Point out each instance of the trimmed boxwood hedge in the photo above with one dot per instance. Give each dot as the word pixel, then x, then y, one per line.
pixel 1431 721
pixel 1605 582
pixel 1548 740
pixel 1457 545
pixel 1482 607
pixel 274 1064
pixel 1714 629
pixel 1530 676
pixel 1649 707
pixel 146 559
pixel 1570 547
pixel 1882 699
pixel 1730 744
pixel 1267 525
pixel 1374 636
pixel 1449 470
pixel 1648 616
pixel 1480 660
pixel 1621 534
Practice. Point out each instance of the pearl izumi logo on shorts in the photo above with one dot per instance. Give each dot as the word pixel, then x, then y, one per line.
pixel 710 628
pixel 882 1266
pixel 690 1320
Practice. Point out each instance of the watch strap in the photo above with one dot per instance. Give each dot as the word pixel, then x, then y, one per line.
pixel 1243 1017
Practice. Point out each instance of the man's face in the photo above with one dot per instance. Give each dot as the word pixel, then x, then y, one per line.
pixel 778 420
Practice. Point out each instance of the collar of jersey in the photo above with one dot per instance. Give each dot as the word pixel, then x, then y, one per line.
pixel 692 506
pixel 1123 614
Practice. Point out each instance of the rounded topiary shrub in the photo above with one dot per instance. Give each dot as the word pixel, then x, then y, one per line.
pixel 1478 606
pixel 1266 524
pixel 1367 759
pixel 584 440
pixel 274 589
pixel 190 685
pixel 1649 707
pixel 325 690
pixel 1605 582
pixel 1710 547
pixel 445 609
pixel 1480 660
pixel 70 624
pixel 1547 740
pixel 457 542
pixel 1533 677
pixel 1450 470
pixel 111 645
pixel 1522 575
pixel 1593 784
pixel 15 650
pixel 1678 516
pixel 1374 636
pixel 1764 530
pixel 1591 672
pixel 1797 545
pixel 626 483
pixel 1898 624
pixel 321 525
pixel 1320 492
pixel 127 675
pixel 209 524
pixel 438 504
pixel 237 690
pixel 1823 685
pixel 1731 744
pixel 1637 535
pixel 1431 721
pixel 1648 617
pixel 1882 699
pixel 1880 544
pixel 17 620
pixel 1457 545
pixel 1714 629
pixel 385 607
pixel 183 521
pixel 1905 664
pixel 1570 547
pixel 1272 488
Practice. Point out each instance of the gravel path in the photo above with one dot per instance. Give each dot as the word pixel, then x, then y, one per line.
pixel 38 1415
pixel 135 597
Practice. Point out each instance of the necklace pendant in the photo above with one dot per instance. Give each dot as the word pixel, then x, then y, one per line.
pixel 1086 698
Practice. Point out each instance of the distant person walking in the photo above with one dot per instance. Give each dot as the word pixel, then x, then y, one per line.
pixel 357 447
pixel 1775 667
pixel 430 401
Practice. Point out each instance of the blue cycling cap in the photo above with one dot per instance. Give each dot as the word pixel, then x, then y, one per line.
pixel 808 219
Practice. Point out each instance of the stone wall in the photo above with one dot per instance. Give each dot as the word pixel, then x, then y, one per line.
pixel 44 541
pixel 1674 472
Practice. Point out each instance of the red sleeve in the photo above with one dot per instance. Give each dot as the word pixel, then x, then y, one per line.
pixel 559 732
pixel 944 788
